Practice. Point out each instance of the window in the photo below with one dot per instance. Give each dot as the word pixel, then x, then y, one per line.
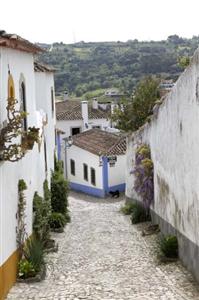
pixel 85 169
pixel 23 104
pixel 93 179
pixel 96 126
pixel 75 130
pixel 45 156
pixel 72 167
pixel 11 87
pixel 52 100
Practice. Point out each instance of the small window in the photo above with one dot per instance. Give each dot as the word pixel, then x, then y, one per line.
pixel 52 100
pixel 75 130
pixel 72 167
pixel 45 156
pixel 85 168
pixel 96 126
pixel 93 179
pixel 23 105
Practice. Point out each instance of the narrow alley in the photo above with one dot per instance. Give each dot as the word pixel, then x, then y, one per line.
pixel 103 257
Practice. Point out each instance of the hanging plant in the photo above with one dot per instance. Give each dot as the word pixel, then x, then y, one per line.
pixel 143 171
pixel 10 148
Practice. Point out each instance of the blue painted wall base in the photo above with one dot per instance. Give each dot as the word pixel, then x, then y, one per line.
pixel 94 191
pixel 87 190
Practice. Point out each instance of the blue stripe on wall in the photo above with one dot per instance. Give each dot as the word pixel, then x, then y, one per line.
pixel 87 190
pixel 105 174
pixel 59 146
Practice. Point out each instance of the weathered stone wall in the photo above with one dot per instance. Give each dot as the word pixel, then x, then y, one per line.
pixel 173 136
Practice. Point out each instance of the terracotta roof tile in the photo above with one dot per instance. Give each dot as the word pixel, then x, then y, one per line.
pixel 16 42
pixel 100 142
pixel 71 110
pixel 38 67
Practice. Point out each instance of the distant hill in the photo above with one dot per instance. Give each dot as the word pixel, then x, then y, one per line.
pixel 85 67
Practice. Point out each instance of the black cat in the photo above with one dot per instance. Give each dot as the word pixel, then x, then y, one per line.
pixel 114 194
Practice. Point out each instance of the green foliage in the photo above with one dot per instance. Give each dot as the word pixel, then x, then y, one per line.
pixel 184 61
pixel 25 269
pixel 22 185
pixel 58 165
pixel 133 114
pixel 57 220
pixel 169 246
pixel 34 253
pixel 85 67
pixel 127 209
pixel 42 213
pixel 139 214
pixel 59 192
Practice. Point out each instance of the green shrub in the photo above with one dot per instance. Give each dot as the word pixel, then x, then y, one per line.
pixel 169 246
pixel 57 220
pixel 139 214
pixel 127 209
pixel 34 253
pixel 38 217
pixel 25 269
pixel 42 213
pixel 59 193
pixel 67 217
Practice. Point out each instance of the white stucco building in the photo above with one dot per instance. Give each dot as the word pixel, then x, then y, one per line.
pixel 74 116
pixel 34 90
pixel 96 162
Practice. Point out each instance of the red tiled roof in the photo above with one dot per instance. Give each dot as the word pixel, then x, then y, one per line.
pixel 100 142
pixel 71 110
pixel 16 42
pixel 38 67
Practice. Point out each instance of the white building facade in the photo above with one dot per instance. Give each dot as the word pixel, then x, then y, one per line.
pixel 95 163
pixel 18 80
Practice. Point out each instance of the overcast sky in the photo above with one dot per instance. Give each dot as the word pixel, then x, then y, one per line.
pixel 99 20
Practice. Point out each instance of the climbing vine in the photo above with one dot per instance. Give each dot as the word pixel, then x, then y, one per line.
pixel 14 140
pixel 21 225
pixel 143 171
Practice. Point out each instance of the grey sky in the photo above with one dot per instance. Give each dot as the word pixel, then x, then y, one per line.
pixel 99 20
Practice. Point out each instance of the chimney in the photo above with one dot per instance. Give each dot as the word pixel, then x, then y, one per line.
pixel 95 103
pixel 66 95
pixel 84 105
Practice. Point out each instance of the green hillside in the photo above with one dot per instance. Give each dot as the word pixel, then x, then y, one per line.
pixel 85 67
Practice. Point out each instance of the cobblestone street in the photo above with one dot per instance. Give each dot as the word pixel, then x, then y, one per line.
pixel 102 256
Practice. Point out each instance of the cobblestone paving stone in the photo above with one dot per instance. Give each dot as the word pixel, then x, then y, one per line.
pixel 103 257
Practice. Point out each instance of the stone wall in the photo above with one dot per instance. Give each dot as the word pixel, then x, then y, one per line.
pixel 173 136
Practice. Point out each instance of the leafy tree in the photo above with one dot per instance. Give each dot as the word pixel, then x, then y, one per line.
pixel 184 61
pixel 131 115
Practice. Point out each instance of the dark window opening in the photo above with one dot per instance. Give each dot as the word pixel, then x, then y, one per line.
pixel 75 130
pixel 85 167
pixel 23 105
pixel 72 167
pixel 45 156
pixel 93 179
pixel 52 100
pixel 96 126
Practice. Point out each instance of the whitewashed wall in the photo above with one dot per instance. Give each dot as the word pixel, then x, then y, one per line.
pixel 173 137
pixel 66 126
pixel 81 156
pixel 44 81
pixel 116 174
pixel 31 167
